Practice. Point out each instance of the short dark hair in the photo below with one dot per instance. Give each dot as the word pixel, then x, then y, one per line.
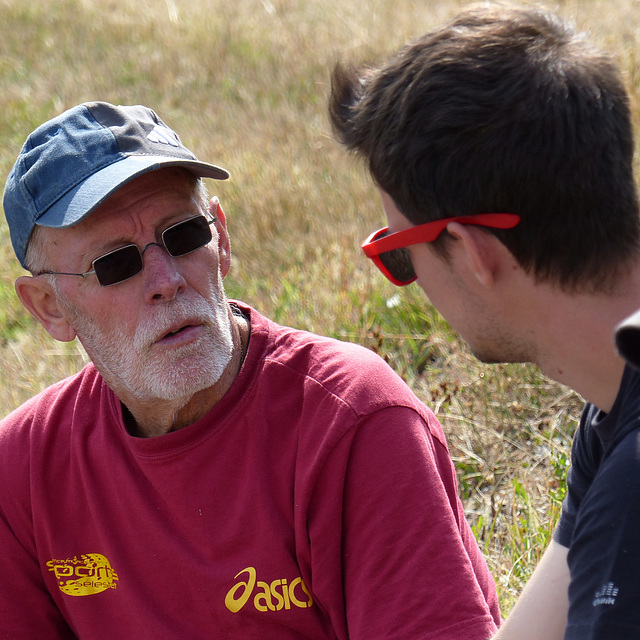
pixel 504 109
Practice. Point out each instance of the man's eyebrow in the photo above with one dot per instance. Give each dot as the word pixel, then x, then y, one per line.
pixel 102 246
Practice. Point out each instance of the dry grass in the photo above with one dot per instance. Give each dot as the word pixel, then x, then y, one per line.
pixel 245 84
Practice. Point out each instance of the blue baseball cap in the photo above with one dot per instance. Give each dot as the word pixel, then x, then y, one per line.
pixel 71 164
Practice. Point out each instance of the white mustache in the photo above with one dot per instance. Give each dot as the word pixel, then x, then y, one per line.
pixel 178 313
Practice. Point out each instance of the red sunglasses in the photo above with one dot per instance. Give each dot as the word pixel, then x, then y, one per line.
pixel 388 250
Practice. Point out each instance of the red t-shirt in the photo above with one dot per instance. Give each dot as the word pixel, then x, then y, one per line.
pixel 316 500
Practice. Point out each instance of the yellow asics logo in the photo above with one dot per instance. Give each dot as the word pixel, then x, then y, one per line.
pixel 91 574
pixel 274 596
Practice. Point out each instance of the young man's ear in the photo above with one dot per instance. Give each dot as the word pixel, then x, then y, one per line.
pixel 482 255
pixel 40 301
pixel 224 244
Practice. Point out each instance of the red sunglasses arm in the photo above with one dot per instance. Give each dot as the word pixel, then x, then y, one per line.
pixel 429 231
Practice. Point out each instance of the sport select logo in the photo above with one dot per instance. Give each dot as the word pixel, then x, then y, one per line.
pixel 90 574
pixel 273 596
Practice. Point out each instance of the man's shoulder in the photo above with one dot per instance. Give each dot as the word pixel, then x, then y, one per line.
pixel 326 357
pixel 40 430
pixel 333 372
pixel 54 398
pixel 311 352
pixel 352 374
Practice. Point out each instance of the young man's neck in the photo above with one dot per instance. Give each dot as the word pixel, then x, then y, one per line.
pixel 576 339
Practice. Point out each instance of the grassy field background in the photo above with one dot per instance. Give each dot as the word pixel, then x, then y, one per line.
pixel 245 84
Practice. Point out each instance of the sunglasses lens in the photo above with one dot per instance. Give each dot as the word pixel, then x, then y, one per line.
pixel 117 266
pixel 398 264
pixel 187 236
pixel 180 239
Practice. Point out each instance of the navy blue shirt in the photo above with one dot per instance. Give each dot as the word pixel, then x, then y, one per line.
pixel 600 521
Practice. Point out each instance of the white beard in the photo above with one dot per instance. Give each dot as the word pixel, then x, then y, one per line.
pixel 133 364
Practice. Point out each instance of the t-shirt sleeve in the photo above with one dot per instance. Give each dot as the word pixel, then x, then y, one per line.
pixel 27 609
pixel 586 451
pixel 410 566
pixel 604 558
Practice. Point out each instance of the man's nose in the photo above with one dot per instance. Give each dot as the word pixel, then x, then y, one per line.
pixel 163 279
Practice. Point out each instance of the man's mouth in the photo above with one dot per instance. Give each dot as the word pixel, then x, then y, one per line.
pixel 179 333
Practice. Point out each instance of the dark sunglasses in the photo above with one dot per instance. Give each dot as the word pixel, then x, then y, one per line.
pixel 121 264
pixel 389 253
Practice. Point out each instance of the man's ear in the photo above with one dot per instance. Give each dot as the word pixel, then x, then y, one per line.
pixel 224 244
pixel 40 301
pixel 480 250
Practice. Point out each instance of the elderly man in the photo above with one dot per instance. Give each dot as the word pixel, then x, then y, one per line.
pixel 502 147
pixel 209 473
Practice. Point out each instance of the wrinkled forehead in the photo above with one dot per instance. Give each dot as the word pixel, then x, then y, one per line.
pixel 160 195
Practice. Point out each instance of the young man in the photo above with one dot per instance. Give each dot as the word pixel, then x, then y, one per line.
pixel 210 473
pixel 502 147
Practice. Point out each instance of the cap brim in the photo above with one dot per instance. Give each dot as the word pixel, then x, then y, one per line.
pixel 78 203
pixel 627 337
